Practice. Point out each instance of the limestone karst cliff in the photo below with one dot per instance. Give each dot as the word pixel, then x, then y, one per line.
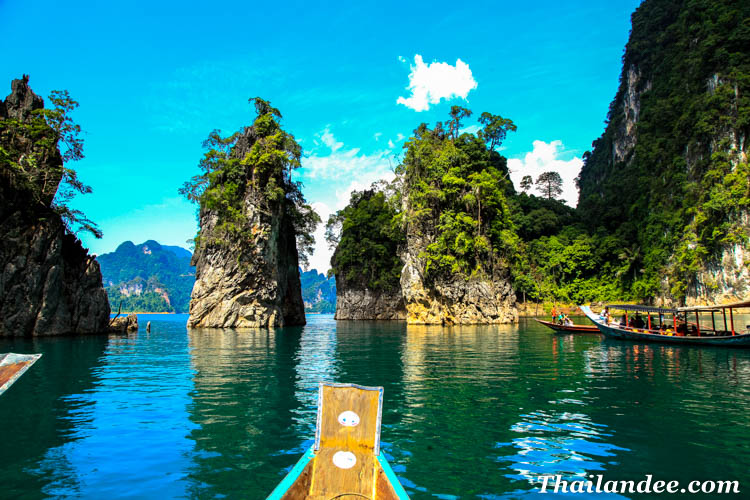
pixel 252 217
pixel 49 285
pixel 669 175
pixel 366 261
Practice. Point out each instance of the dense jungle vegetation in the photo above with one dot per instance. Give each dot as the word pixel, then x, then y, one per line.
pixel 663 210
pixel 156 278
pixel 681 194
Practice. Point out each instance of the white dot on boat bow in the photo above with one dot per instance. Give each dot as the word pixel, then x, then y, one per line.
pixel 344 459
pixel 349 419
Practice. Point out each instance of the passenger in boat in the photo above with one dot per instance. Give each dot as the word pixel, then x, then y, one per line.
pixel 681 328
pixel 604 315
pixel 554 314
pixel 623 320
pixel 567 321
pixel 668 331
pixel 638 321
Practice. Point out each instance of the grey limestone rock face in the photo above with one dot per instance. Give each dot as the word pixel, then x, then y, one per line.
pixel 359 302
pixel 484 299
pixel 49 285
pixel 248 284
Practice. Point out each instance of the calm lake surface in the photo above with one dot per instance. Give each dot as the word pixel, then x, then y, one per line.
pixel 469 412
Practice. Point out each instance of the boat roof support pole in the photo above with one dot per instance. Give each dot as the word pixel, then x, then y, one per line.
pixel 698 323
pixel 649 321
pixel 724 312
pixel 713 322
pixel 731 319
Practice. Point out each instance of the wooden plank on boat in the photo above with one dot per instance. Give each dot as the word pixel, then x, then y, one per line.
pixel 12 366
pixel 345 461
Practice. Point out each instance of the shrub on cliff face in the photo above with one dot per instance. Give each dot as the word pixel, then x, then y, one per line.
pixel 261 158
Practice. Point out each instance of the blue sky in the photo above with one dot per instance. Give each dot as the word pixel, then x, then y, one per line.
pixel 154 78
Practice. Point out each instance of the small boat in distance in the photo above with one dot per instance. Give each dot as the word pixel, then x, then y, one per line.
pixel 571 328
pixel 12 366
pixel 673 326
pixel 346 460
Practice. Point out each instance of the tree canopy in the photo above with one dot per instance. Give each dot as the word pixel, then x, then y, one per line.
pixel 549 184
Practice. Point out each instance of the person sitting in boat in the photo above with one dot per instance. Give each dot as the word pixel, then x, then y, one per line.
pixel 623 320
pixel 681 328
pixel 604 315
pixel 638 321
pixel 668 330
pixel 567 321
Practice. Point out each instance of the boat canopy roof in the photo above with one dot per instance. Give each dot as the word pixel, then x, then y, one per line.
pixel 717 307
pixel 640 308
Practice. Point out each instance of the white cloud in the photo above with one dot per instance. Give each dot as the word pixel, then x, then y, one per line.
pixel 321 257
pixel 545 157
pixel 399 137
pixel 341 170
pixel 329 140
pixel 341 164
pixel 390 144
pixel 429 83
pixel 377 135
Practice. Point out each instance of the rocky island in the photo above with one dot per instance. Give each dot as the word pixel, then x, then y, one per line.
pixel 49 284
pixel 433 246
pixel 253 219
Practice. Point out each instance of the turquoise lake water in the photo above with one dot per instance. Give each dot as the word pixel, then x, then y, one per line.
pixel 469 412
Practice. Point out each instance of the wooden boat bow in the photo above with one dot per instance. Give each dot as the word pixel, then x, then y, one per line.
pixel 346 460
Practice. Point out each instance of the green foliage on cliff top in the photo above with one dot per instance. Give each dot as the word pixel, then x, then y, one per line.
pixel 680 196
pixel 35 157
pixel 456 187
pixel 260 158
pixel 367 239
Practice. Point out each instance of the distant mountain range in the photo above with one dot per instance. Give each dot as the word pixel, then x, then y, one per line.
pixel 318 292
pixel 151 277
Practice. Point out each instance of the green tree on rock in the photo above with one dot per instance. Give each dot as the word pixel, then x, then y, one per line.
pixel 35 155
pixel 527 182
pixel 549 184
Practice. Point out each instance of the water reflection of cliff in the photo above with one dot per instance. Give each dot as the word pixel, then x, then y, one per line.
pixel 244 407
pixel 40 413
pixel 456 382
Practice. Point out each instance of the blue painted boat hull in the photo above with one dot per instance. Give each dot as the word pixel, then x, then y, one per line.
pixel 616 332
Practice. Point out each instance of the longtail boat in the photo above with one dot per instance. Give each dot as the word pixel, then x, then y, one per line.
pixel 572 328
pixel 12 366
pixel 346 461
pixel 674 326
